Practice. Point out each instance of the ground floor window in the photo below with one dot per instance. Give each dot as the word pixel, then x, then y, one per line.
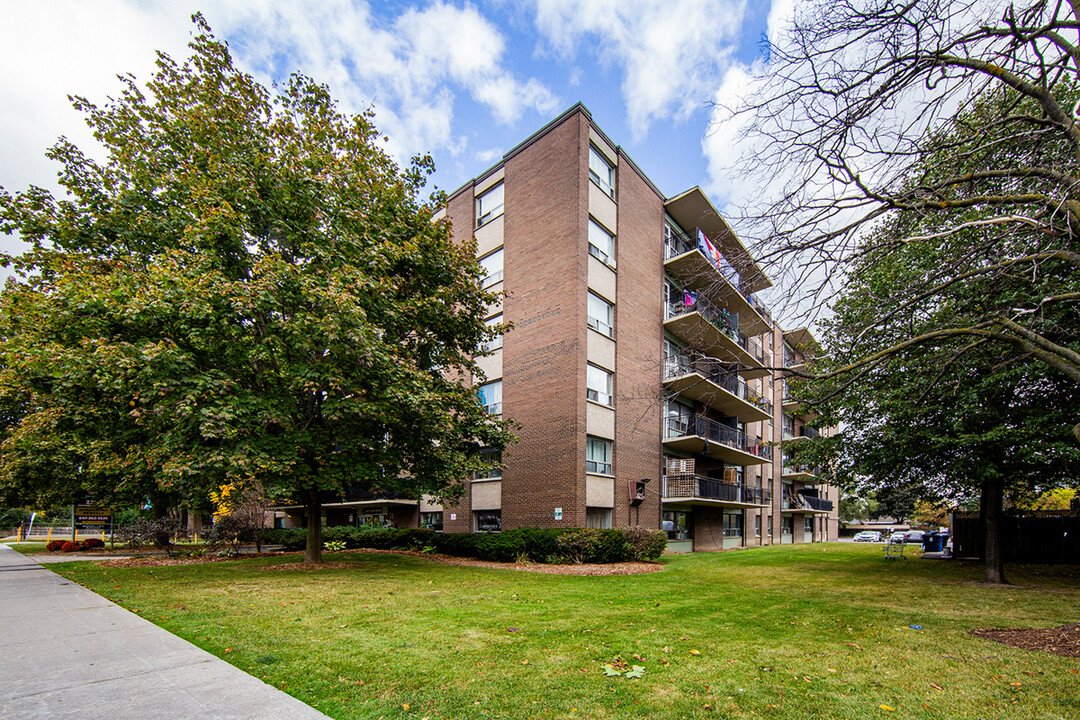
pixel 599 518
pixel 757 525
pixel 733 524
pixel 808 526
pixel 787 525
pixel 431 520
pixel 487 520
pixel 678 525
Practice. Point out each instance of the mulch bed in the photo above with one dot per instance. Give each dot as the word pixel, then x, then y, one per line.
pixel 628 568
pixel 1063 640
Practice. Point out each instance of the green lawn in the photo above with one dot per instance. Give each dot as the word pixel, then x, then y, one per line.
pixel 811 631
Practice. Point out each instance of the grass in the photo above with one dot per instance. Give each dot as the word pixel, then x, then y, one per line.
pixel 807 631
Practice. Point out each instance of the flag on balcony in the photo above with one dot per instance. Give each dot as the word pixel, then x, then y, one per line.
pixel 708 249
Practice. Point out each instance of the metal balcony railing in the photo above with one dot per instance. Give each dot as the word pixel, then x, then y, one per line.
pixel 805 431
pixel 718 433
pixel 815 503
pixel 698 486
pixel 718 374
pixel 676 243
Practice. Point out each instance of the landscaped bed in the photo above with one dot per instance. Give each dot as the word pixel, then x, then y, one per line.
pixel 823 631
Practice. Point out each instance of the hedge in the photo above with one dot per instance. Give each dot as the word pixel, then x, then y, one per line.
pixel 533 544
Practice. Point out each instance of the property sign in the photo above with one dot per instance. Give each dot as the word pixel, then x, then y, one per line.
pixel 92 517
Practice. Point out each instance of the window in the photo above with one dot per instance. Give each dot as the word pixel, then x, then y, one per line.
pixel 808 526
pixel 496 342
pixel 598 384
pixel 733 524
pixel 757 525
pixel 679 419
pixel 489 205
pixel 491 397
pixel 676 360
pixel 487 520
pixel 787 524
pixel 601 171
pixel 431 521
pixel 789 426
pixel 598 518
pixel 678 525
pixel 601 315
pixel 601 244
pixel 491 269
pixel 598 456
pixel 494 469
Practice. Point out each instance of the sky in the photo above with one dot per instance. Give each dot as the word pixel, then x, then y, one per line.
pixel 463 81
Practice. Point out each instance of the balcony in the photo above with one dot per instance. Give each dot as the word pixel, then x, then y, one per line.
pixel 796 471
pixel 702 436
pixel 801 434
pixel 791 404
pixel 806 504
pixel 709 382
pixel 708 491
pixel 715 332
pixel 684 261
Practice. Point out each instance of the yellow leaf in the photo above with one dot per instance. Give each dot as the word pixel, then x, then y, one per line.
pixel 886 707
pixel 695 652
pixel 404 706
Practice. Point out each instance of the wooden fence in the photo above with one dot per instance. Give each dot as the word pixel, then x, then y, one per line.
pixel 1030 536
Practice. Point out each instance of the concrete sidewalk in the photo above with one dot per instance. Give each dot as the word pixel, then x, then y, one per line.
pixel 66 652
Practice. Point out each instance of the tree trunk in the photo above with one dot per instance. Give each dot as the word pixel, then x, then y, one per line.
pixel 993 521
pixel 313 551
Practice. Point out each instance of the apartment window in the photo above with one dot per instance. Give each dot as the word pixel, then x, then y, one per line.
pixel 757 525
pixel 808 526
pixel 493 471
pixel 598 384
pixel 496 342
pixel 491 269
pixel 489 205
pixel 678 525
pixel 601 171
pixel 601 244
pixel 789 426
pixel 787 525
pixel 679 417
pixel 598 456
pixel 598 518
pixel 487 520
pixel 733 524
pixel 431 521
pixel 491 397
pixel 676 360
pixel 601 315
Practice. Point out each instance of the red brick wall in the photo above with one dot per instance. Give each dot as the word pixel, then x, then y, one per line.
pixel 545 270
pixel 639 349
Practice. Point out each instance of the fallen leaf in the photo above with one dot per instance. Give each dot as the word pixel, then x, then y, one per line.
pixel 636 672
pixel 610 671
pixel 886 707
pixel 936 686
pixel 695 652
pixel 404 706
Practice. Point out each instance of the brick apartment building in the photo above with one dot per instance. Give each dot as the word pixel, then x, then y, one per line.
pixel 640 367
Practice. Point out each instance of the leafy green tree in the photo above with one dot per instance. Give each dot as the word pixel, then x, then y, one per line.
pixel 247 287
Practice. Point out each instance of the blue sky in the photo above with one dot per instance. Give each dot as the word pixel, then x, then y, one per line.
pixel 465 81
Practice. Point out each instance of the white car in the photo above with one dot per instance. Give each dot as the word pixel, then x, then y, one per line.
pixel 868 536
pixel 899 536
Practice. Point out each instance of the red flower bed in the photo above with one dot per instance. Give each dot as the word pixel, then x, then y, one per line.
pixel 71 547
pixel 55 545
pixel 91 543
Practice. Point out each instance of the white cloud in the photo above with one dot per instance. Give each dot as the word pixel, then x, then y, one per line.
pixel 672 52
pixel 411 64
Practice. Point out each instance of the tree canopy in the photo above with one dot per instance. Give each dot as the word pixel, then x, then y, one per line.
pixel 248 286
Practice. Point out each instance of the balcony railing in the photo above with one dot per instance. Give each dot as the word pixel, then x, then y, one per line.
pixel 718 374
pixel 805 431
pixel 815 503
pixel 676 243
pixel 697 486
pixel 718 433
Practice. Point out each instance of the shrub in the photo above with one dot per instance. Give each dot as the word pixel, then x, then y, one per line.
pixel 644 544
pixel 609 547
pixel 578 544
pixel 55 545
pixel 91 543
pixel 71 546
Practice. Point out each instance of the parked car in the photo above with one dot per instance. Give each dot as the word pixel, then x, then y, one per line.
pixel 914 536
pixel 898 537
pixel 868 536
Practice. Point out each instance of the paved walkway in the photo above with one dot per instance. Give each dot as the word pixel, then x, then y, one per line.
pixel 66 652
